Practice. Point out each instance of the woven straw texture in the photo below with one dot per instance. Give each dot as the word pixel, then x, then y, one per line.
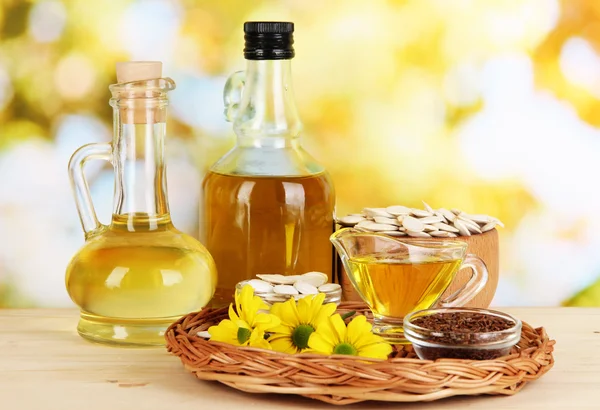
pixel 348 379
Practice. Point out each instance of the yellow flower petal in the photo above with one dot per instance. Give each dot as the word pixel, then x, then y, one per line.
pixel 339 327
pixel 225 325
pixel 357 328
pixel 366 338
pixel 282 330
pixel 320 344
pixel 232 315
pixel 247 305
pixel 318 299
pixel 266 321
pixel 241 323
pixel 376 351
pixel 327 332
pixel 225 332
pixel 304 308
pixel 293 309
pixel 283 344
pixel 325 312
pixel 308 306
pixel 285 312
pixel 318 311
pixel 238 301
pixel 257 339
pixel 276 311
pixel 262 343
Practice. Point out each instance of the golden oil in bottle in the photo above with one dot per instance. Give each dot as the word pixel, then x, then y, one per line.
pixel 269 224
pixel 136 278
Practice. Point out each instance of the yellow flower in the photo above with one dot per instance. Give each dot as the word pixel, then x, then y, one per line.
pixel 332 337
pixel 298 322
pixel 247 307
pixel 246 327
pixel 238 334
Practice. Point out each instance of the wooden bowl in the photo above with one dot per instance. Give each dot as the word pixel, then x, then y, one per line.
pixel 484 245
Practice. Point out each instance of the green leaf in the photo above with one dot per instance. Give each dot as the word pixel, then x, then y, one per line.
pixel 348 314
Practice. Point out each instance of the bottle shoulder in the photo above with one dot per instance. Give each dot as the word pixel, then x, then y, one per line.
pixel 268 161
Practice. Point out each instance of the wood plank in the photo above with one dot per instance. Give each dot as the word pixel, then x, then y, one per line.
pixel 45 364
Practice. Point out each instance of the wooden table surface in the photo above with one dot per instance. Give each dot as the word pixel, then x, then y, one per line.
pixel 44 364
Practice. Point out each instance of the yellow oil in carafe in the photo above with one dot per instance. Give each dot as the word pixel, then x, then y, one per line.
pixel 270 224
pixel 136 278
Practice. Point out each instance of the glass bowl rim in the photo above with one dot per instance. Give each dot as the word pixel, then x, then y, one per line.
pixel 239 285
pixel 332 296
pixel 433 243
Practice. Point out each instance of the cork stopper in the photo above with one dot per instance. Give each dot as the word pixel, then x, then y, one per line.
pixel 137 112
pixel 128 71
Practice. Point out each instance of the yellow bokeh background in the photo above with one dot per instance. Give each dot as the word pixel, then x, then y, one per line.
pixel 491 106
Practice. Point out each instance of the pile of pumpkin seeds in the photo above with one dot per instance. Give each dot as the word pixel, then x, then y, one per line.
pixel 398 220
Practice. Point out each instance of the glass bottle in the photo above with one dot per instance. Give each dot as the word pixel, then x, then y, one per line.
pixel 268 206
pixel 136 276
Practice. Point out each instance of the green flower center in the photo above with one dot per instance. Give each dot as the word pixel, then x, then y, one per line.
pixel 345 348
pixel 243 335
pixel 300 336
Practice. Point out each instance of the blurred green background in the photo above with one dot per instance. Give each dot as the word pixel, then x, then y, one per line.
pixel 491 106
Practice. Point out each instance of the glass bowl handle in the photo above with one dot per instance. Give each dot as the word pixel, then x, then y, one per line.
pixel 479 278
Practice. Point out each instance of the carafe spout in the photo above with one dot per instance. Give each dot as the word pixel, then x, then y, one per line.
pixel 337 240
pixel 352 243
pixel 340 240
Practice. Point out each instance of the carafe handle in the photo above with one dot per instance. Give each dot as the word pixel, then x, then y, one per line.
pixel 232 94
pixel 477 282
pixel 83 200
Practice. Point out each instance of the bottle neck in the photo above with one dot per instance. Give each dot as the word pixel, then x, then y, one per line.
pixel 267 115
pixel 140 173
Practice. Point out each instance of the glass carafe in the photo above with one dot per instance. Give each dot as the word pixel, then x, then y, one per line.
pixel 136 276
pixel 268 206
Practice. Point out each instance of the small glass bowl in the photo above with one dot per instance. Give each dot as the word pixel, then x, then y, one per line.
pixel 334 296
pixel 430 344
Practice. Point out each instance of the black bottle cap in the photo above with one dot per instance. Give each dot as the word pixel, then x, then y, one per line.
pixel 268 40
